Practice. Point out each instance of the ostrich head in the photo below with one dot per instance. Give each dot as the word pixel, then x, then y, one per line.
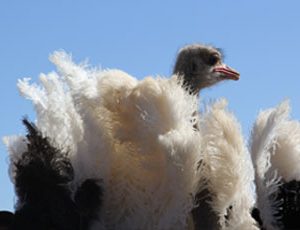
pixel 201 66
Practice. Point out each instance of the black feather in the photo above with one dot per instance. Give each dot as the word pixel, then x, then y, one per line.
pixel 43 175
pixel 289 212
pixel 42 183
pixel 88 199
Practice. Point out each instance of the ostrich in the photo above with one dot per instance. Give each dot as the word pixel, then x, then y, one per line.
pixel 201 66
pixel 274 147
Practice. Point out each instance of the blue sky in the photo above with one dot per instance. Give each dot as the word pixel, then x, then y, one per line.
pixel 261 39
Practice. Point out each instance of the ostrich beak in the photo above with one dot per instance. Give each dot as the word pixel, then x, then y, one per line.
pixel 227 72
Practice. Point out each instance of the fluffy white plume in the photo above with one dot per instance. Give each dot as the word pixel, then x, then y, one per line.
pixel 275 153
pixel 227 167
pixel 157 150
pixel 56 115
pixel 286 158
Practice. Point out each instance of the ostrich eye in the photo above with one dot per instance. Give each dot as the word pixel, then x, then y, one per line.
pixel 213 59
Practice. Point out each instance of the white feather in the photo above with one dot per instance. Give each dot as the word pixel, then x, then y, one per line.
pixel 286 158
pixel 56 115
pixel 157 149
pixel 263 144
pixel 228 168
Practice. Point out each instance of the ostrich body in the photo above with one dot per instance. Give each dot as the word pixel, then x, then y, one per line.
pixel 117 129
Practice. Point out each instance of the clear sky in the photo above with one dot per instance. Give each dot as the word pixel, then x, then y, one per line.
pixel 261 39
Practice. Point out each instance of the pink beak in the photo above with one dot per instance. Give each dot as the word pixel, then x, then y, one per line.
pixel 227 72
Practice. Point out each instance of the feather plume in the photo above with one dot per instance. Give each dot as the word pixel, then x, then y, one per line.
pixel 227 168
